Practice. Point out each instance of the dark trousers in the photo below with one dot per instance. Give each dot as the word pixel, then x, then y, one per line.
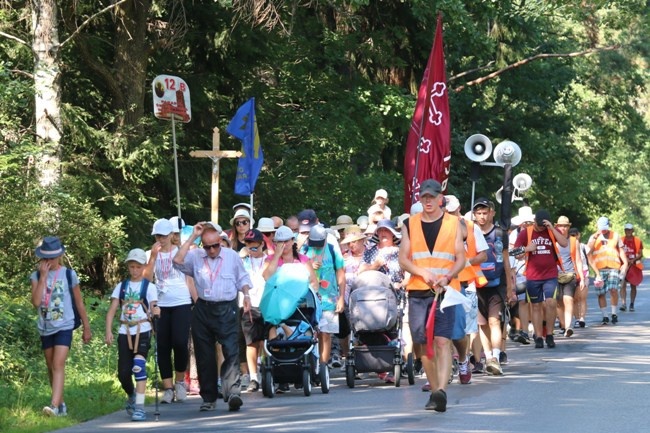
pixel 214 322
pixel 125 358
pixel 173 335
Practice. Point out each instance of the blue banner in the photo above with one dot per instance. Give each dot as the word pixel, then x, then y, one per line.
pixel 244 127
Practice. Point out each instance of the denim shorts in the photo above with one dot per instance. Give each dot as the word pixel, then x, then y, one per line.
pixel 61 338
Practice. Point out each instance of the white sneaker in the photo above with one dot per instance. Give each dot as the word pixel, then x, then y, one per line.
pixel 168 396
pixel 51 411
pixel 181 391
pixel 245 381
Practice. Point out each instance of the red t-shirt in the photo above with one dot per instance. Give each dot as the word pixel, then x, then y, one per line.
pixel 542 263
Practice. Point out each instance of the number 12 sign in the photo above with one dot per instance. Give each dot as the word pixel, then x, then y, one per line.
pixel 171 97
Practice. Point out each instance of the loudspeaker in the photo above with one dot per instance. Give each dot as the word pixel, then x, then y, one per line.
pixel 507 152
pixel 522 182
pixel 478 147
pixel 499 196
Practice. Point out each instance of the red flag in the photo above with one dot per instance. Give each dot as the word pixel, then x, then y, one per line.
pixel 431 159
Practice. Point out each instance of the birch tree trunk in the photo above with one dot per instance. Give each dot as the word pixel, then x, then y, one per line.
pixel 47 86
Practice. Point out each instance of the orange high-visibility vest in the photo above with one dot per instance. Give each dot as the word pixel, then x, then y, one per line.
pixel 606 255
pixel 472 273
pixel 439 261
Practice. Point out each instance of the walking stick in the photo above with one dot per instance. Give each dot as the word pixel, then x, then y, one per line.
pixel 155 364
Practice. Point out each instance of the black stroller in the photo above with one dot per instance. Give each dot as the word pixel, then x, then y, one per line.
pixel 376 312
pixel 292 357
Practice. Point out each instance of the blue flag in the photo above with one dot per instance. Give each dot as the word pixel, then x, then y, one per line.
pixel 244 127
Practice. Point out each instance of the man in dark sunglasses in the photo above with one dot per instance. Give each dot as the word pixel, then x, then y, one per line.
pixel 219 275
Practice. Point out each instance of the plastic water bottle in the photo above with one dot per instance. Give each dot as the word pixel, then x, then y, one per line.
pixel 498 249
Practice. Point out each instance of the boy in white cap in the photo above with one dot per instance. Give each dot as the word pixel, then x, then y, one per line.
pixel 381 200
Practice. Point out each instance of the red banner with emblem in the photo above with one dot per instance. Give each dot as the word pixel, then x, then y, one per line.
pixel 428 146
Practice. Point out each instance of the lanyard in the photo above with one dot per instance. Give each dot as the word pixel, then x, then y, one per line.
pixel 215 274
pixel 49 289
pixel 164 267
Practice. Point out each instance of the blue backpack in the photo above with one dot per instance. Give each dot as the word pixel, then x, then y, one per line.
pixel 143 292
pixel 493 267
pixel 68 276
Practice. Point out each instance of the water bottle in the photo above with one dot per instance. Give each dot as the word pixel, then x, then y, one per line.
pixel 498 249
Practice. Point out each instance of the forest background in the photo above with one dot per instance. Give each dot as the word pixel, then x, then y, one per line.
pixel 82 156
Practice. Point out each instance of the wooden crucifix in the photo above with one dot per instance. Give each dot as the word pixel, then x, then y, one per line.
pixel 215 154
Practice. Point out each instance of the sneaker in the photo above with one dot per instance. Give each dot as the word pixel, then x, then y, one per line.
pixel 253 386
pixel 417 366
pixel 51 411
pixel 582 323
pixel 492 367
pixel 195 389
pixel 437 401
pixel 168 396
pixel 632 307
pixel 208 406
pixel 622 307
pixel 464 375
pixel 181 391
pixel 614 319
pixel 282 388
pixel 336 361
pixel 139 415
pixel 426 387
pixel 234 403
pixel 605 320
pixel 479 368
pixel 539 343
pixel 63 410
pixel 130 405
pixel 550 342
pixel 245 381
pixel 519 338
pixel 568 332
pixel 526 340
pixel 503 358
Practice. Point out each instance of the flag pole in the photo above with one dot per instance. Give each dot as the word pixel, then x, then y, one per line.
pixel 251 200
pixel 178 194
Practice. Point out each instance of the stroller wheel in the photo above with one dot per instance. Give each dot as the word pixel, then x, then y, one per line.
pixel 410 369
pixel 306 382
pixel 324 376
pixel 397 374
pixel 349 375
pixel 267 384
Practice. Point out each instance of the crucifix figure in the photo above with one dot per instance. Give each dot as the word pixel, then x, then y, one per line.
pixel 215 154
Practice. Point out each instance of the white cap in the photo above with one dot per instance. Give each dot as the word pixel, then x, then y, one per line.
pixel 162 227
pixel 452 203
pixel 283 234
pixel 628 226
pixel 175 227
pixel 137 255
pixel 381 193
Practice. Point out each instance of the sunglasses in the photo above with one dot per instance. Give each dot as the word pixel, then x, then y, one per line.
pixel 241 223
pixel 213 246
pixel 254 249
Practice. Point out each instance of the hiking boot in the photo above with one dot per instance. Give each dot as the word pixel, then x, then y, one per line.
pixel 130 405
pixel 550 342
pixel 492 367
pixel 605 320
pixel 181 391
pixel 63 410
pixel 234 403
pixel 632 307
pixel 614 319
pixel 139 415
pixel 437 401
pixel 539 343
pixel 253 386
pixel 623 307
pixel 208 406
pixel 168 396
pixel 568 332
pixel 503 358
pixel 464 375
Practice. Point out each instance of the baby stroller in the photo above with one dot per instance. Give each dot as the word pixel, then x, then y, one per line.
pixel 376 312
pixel 292 357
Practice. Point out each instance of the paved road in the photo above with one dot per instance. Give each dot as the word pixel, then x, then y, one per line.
pixel 596 381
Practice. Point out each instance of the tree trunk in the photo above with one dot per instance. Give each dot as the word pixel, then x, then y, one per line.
pixel 47 86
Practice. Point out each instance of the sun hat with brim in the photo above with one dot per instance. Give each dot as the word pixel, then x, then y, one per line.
pixel 363 222
pixel 162 227
pixel 242 213
pixel 50 248
pixel 516 221
pixel 342 222
pixel 352 229
pixel 526 214
pixel 137 255
pixel 353 237
pixel 563 221
pixel 387 224
pixel 266 225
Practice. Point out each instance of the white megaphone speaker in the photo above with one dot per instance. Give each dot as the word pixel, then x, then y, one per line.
pixel 478 147
pixel 522 182
pixel 507 152
pixel 499 196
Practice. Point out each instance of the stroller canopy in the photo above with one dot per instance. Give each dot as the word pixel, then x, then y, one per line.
pixel 284 292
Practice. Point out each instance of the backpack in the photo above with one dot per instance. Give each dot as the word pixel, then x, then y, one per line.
pixel 68 276
pixel 304 248
pixel 143 292
pixel 493 267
